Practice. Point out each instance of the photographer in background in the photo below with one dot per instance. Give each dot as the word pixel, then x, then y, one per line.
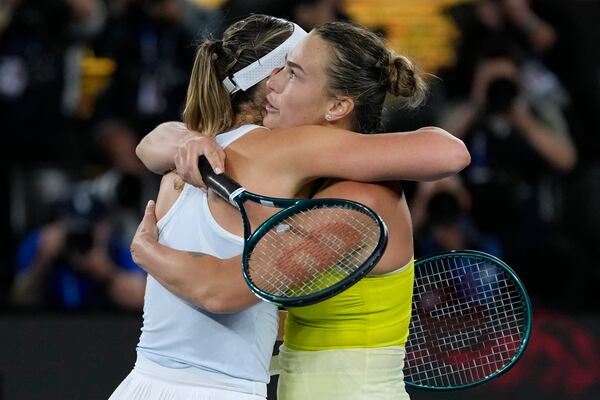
pixel 125 184
pixel 482 22
pixel 77 263
pixel 520 149
pixel 441 215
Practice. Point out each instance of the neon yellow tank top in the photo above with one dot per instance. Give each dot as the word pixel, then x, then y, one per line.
pixel 375 312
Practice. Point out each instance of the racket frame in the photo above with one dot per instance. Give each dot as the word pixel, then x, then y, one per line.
pixel 526 306
pixel 236 195
pixel 338 287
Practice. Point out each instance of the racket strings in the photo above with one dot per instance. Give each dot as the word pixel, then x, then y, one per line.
pixel 468 322
pixel 312 250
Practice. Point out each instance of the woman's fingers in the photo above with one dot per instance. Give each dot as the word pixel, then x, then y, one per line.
pixel 146 232
pixel 186 159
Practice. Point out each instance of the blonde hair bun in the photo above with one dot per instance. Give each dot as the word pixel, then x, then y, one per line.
pixel 406 80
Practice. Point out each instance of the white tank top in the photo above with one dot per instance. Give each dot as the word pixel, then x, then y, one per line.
pixel 177 334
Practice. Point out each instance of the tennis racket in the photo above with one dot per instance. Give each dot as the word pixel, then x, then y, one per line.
pixel 307 252
pixel 471 321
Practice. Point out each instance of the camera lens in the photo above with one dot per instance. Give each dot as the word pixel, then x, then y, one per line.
pixel 501 94
pixel 79 240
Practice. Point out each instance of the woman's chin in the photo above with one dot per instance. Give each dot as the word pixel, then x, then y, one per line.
pixel 269 121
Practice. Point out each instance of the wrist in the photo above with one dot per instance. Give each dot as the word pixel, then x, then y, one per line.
pixel 523 121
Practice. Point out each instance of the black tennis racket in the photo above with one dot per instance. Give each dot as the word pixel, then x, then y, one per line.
pixel 471 321
pixel 308 251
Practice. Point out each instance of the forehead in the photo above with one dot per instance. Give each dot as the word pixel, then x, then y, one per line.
pixel 312 54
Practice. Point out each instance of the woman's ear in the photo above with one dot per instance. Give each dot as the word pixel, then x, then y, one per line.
pixel 340 108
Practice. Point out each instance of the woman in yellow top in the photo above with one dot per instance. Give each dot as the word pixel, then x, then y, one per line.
pixel 350 346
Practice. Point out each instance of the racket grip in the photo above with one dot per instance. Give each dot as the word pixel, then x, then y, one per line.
pixel 223 185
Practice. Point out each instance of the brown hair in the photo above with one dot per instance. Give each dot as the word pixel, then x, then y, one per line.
pixel 362 68
pixel 209 108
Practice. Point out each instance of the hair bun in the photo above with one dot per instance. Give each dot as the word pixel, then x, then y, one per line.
pixel 406 80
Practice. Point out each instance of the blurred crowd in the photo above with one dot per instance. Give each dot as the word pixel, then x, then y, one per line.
pixel 524 95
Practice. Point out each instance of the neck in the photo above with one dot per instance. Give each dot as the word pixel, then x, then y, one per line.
pixel 344 123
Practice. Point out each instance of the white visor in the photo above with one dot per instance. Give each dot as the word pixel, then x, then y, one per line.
pixel 262 68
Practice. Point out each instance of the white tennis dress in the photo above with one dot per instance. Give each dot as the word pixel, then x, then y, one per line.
pixel 185 352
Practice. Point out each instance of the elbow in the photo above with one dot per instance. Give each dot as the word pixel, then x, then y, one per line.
pixel 461 157
pixel 455 153
pixel 217 302
pixel 141 151
pixel 229 300
pixel 149 149
pixel 216 307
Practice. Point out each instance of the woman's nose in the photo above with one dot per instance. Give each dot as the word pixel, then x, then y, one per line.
pixel 272 82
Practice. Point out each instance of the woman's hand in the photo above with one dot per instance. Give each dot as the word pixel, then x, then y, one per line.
pixel 186 158
pixel 146 236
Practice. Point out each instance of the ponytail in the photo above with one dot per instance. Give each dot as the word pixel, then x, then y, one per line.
pixel 209 108
pixel 208 105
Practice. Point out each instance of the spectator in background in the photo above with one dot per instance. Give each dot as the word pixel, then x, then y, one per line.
pixel 441 218
pixel 488 21
pixel 520 150
pixel 39 71
pixel 126 183
pixel 77 263
pixel 152 47
pixel 307 13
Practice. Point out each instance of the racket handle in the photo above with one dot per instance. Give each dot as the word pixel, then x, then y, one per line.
pixel 223 185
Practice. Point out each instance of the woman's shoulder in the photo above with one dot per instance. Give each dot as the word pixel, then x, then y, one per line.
pixel 309 140
pixel 369 194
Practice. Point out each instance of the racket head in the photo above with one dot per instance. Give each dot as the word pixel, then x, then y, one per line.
pixel 471 321
pixel 312 251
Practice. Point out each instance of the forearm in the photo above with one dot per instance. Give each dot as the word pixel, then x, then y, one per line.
pixel 424 155
pixel 555 149
pixel 205 281
pixel 157 149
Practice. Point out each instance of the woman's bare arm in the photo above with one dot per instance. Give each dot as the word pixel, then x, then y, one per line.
pixel 218 286
pixel 426 154
pixel 172 145
pixel 158 148
pixel 208 282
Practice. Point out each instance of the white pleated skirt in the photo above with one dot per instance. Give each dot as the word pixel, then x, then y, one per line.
pixel 151 381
